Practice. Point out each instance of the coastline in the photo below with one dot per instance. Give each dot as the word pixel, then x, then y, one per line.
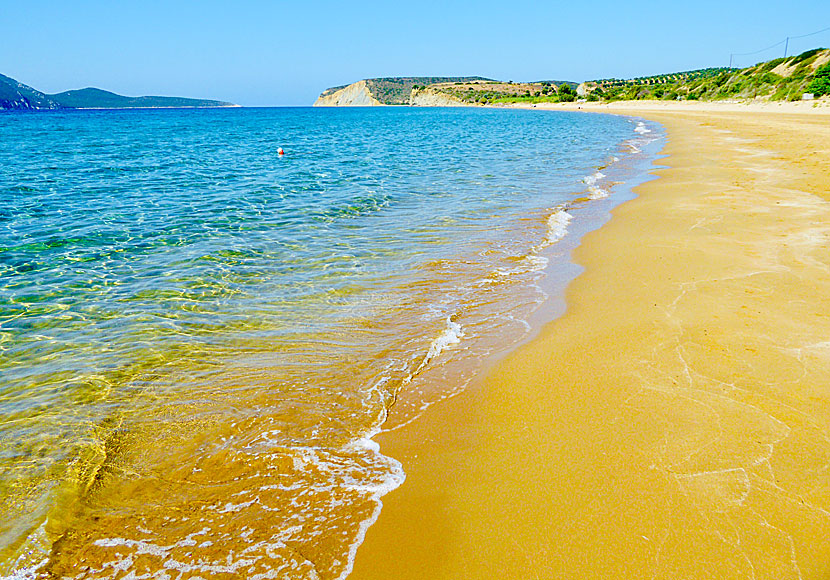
pixel 485 276
pixel 672 422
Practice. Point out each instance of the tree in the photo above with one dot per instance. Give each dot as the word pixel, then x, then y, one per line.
pixel 566 93
pixel 820 85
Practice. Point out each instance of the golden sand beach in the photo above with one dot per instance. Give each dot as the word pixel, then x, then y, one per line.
pixel 675 422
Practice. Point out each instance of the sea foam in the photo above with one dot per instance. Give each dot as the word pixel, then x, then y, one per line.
pixel 594 191
pixel 557 226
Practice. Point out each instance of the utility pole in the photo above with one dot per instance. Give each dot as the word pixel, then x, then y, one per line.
pixel 730 60
pixel 786 46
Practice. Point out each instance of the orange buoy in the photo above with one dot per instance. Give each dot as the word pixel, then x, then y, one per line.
pixel 280 151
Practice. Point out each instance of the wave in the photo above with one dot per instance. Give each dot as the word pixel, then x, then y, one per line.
pixel 641 128
pixel 594 191
pixel 557 226
pixel 452 334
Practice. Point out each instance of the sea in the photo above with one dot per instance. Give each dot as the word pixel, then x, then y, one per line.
pixel 199 338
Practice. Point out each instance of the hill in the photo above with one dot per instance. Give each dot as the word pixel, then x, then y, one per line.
pixel 780 79
pixel 382 91
pixel 91 98
pixel 17 96
pixel 433 91
pixel 783 78
pixel 482 92
pixel 397 90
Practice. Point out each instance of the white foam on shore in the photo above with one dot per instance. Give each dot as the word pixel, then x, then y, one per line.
pixel 452 334
pixel 557 229
pixel 394 478
pixel 536 263
pixel 557 226
pixel 592 179
pixel 594 191
pixel 641 128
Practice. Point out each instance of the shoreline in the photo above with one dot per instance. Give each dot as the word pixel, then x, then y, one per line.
pixel 669 423
pixel 483 283
pixel 816 107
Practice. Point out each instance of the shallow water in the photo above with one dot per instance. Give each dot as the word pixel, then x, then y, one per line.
pixel 199 337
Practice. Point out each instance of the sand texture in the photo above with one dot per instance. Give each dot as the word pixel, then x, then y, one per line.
pixel 675 422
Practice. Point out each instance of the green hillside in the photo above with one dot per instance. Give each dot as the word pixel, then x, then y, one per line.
pixel 483 92
pixel 780 79
pixel 396 91
pixel 91 98
pixel 472 90
pixel 17 96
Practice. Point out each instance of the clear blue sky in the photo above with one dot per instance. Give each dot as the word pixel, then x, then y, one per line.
pixel 260 53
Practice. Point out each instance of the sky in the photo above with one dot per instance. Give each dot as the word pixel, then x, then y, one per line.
pixel 284 53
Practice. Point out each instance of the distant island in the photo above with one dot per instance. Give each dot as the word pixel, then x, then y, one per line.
pixel 806 75
pixel 17 96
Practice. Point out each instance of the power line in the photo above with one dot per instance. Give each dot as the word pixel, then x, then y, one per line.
pixel 785 42
pixel 757 51
pixel 812 33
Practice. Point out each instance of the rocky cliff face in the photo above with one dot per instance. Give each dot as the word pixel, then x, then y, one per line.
pixel 429 97
pixel 354 95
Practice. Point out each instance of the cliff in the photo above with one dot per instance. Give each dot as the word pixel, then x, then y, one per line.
pixel 429 97
pixel 353 95
pixel 387 91
pixel 804 76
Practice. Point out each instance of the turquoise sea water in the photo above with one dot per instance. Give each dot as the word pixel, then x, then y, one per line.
pixel 198 337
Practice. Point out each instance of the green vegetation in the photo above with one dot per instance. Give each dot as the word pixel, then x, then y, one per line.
pixel 820 85
pixel 91 98
pixel 779 79
pixel 490 92
pixel 397 90
pixel 17 96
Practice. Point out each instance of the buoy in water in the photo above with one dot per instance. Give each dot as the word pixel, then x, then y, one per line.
pixel 280 151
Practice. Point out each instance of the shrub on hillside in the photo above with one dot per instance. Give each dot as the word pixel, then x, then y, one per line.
pixel 806 55
pixel 820 85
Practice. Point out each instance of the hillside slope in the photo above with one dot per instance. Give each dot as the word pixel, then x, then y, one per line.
pixel 15 95
pixel 382 91
pixel 780 79
pixel 353 95
pixel 92 98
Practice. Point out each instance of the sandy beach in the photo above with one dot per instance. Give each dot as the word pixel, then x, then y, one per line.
pixel 675 422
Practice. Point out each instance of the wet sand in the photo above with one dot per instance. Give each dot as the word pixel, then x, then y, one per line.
pixel 675 422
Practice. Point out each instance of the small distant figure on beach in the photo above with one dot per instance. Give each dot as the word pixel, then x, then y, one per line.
pixel 280 151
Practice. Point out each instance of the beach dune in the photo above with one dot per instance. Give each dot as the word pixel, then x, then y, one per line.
pixel 675 422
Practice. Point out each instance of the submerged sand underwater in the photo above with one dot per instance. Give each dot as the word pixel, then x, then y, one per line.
pixel 200 336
